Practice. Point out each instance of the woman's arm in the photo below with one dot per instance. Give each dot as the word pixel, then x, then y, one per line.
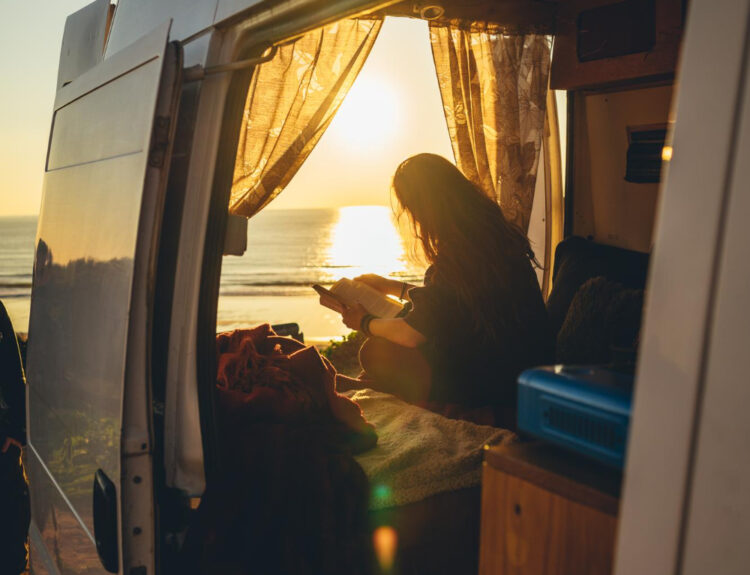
pixel 395 330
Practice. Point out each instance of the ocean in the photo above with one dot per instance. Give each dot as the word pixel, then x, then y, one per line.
pixel 288 251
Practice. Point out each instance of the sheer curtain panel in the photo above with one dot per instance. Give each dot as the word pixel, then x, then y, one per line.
pixel 291 101
pixel 494 90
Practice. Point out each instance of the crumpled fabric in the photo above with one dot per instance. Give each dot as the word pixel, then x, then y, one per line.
pixel 290 497
pixel 263 377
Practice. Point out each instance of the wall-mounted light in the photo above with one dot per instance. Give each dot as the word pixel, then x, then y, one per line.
pixel 429 11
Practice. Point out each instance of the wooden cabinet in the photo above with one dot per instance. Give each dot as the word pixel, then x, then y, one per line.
pixel 546 513
pixel 612 28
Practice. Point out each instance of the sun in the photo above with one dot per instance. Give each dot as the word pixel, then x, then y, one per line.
pixel 369 116
pixel 365 240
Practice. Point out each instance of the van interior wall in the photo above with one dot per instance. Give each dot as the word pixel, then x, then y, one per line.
pixel 606 207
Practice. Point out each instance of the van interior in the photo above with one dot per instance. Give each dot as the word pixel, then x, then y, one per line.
pixel 596 221
pixel 599 157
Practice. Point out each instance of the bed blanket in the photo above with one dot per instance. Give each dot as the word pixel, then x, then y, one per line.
pixel 266 378
pixel 290 498
pixel 420 453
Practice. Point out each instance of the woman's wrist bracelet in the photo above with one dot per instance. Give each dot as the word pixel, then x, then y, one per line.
pixel 364 324
pixel 403 290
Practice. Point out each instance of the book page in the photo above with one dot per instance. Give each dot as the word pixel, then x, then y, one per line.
pixel 351 292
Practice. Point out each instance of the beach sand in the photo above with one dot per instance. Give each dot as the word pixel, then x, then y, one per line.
pixel 18 310
pixel 319 324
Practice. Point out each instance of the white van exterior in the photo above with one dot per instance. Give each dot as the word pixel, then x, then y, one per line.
pixel 126 274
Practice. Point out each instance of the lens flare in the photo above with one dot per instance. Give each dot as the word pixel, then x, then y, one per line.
pixel 381 493
pixel 385 542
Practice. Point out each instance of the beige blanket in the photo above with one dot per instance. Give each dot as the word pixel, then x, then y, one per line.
pixel 420 453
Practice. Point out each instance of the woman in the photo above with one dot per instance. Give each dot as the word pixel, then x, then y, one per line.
pixel 478 321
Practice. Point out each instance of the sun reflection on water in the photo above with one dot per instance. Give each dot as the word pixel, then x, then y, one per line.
pixel 366 240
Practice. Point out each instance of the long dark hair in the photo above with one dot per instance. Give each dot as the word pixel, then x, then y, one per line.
pixel 463 233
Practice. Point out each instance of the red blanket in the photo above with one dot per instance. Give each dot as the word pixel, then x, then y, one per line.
pixel 263 377
pixel 290 497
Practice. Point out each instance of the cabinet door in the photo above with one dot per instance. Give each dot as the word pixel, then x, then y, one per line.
pixel 101 210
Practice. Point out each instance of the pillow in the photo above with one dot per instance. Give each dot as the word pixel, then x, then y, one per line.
pixel 578 259
pixel 602 324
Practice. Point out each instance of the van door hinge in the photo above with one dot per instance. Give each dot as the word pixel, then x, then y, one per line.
pixel 160 142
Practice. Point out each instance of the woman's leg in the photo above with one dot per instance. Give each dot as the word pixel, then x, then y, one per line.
pixel 392 368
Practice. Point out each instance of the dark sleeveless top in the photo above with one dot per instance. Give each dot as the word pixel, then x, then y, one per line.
pixel 479 369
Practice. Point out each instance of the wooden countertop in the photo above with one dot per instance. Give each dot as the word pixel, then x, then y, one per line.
pixel 558 471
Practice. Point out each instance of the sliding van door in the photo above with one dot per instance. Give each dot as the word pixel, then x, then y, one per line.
pixel 89 338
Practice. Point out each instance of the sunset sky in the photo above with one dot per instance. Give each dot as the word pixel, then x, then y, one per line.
pixel 393 111
pixel 30 38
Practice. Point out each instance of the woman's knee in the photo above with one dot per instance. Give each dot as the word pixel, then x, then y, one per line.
pixel 395 369
pixel 374 353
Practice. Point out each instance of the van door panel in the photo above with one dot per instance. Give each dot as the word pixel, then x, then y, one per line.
pixel 676 354
pixel 88 229
pixel 135 17
pixel 83 40
pixel 93 141
pixel 59 542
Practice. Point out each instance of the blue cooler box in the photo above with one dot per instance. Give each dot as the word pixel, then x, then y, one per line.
pixel 581 408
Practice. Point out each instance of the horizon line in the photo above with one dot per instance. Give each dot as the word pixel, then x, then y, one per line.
pixel 266 209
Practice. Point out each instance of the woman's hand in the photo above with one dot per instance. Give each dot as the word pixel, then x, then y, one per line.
pixel 383 285
pixel 352 316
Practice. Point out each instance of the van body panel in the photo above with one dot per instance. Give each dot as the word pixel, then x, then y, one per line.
pixel 83 41
pixel 718 515
pixel 76 141
pixel 40 561
pixel 59 543
pixel 81 300
pixel 183 443
pixel 134 18
pixel 138 438
pixel 680 293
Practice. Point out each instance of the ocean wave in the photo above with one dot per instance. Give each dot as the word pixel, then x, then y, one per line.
pixel 266 283
pixel 268 291
pixel 238 282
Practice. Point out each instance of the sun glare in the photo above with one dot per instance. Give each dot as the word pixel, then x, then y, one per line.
pixel 365 240
pixel 369 116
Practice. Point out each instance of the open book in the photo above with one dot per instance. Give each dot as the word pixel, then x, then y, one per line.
pixel 346 292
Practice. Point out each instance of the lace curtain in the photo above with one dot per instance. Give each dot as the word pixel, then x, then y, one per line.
pixel 291 101
pixel 494 90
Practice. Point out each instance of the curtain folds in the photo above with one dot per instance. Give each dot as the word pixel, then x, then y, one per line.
pixel 494 90
pixel 291 101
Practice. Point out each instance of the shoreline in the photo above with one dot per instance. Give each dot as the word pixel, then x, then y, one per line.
pixel 319 324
